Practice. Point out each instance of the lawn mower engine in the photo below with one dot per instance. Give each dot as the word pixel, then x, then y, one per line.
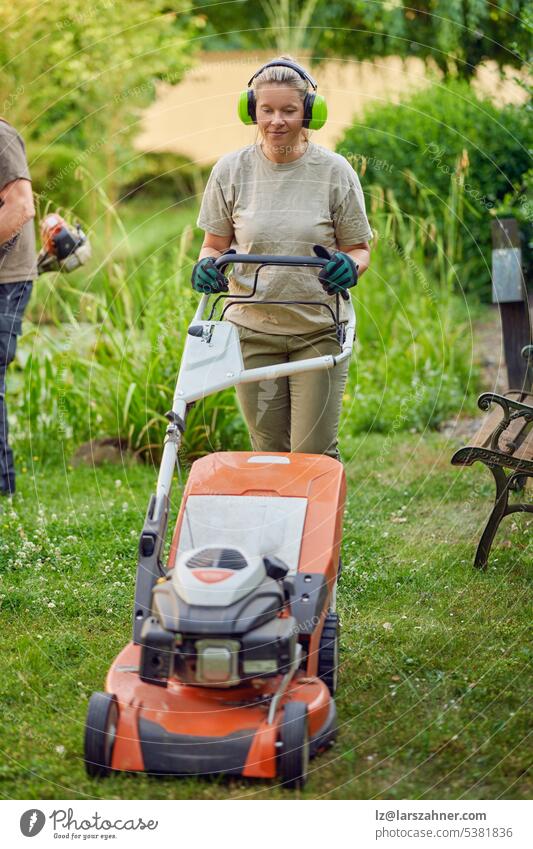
pixel 219 620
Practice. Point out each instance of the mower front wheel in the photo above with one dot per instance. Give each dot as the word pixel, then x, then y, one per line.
pixel 294 739
pixel 100 733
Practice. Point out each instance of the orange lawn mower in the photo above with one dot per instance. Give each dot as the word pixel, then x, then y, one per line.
pixel 233 663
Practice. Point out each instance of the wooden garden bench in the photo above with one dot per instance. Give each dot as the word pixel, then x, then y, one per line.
pixel 503 442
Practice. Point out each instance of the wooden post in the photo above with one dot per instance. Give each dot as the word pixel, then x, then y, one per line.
pixel 509 291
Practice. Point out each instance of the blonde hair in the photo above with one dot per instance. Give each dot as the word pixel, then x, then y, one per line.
pixel 281 75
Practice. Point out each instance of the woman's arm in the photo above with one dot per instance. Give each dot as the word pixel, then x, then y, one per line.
pixel 360 253
pixel 214 246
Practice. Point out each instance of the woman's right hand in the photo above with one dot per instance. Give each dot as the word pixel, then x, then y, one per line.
pixel 207 279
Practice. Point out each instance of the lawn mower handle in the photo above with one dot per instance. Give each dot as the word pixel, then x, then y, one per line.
pixel 185 394
pixel 271 259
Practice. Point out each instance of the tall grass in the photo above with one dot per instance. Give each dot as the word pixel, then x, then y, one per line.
pixel 115 374
pixel 108 365
pixel 415 357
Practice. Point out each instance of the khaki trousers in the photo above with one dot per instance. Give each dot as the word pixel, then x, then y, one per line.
pixel 299 413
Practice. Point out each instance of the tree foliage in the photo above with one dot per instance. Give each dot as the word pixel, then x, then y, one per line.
pixel 439 142
pixel 456 34
pixel 74 77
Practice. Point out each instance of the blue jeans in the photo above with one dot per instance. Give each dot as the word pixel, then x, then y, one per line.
pixel 14 298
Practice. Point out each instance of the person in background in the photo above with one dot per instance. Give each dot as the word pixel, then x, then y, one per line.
pixel 18 270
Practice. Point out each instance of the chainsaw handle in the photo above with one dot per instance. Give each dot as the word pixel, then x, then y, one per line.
pixel 271 259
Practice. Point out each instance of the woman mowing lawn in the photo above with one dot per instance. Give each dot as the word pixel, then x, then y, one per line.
pixel 284 194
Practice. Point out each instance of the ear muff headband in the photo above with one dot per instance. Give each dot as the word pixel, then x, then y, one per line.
pixel 285 63
pixel 315 107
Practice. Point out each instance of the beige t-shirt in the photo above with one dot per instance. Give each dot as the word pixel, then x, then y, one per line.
pixel 18 255
pixel 283 208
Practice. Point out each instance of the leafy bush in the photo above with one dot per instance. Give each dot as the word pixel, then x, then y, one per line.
pixel 90 69
pixel 156 175
pixel 440 134
pixel 53 172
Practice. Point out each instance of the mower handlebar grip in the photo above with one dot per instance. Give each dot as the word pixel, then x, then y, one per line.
pixel 270 259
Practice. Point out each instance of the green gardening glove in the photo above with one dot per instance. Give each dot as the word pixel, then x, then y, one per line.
pixel 207 279
pixel 339 274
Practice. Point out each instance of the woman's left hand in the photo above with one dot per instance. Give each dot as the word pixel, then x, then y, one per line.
pixel 339 274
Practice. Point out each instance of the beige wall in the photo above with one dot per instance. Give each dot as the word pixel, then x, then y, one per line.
pixel 198 117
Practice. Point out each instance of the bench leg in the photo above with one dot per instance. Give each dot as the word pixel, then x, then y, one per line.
pixel 498 512
pixel 501 508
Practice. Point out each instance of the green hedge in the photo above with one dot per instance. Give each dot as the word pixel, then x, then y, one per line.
pixel 153 175
pixel 414 148
pixel 74 181
pixel 55 172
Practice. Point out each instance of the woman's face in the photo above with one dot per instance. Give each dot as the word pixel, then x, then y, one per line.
pixel 280 114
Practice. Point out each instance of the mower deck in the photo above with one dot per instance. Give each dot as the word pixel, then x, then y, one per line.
pixel 169 730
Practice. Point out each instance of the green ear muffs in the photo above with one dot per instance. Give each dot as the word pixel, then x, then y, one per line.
pixel 315 115
pixel 246 109
pixel 315 107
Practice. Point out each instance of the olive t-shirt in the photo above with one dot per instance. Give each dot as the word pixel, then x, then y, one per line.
pixel 17 256
pixel 283 208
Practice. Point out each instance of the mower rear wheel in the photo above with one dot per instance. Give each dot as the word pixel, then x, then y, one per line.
pixel 294 739
pixel 328 652
pixel 100 733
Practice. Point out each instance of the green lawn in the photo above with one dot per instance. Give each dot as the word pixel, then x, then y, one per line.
pixel 435 677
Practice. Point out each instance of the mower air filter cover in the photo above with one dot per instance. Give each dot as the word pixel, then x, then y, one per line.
pixel 214 576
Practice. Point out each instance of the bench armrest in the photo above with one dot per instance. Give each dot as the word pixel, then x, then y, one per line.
pixel 487 398
pixel 512 410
